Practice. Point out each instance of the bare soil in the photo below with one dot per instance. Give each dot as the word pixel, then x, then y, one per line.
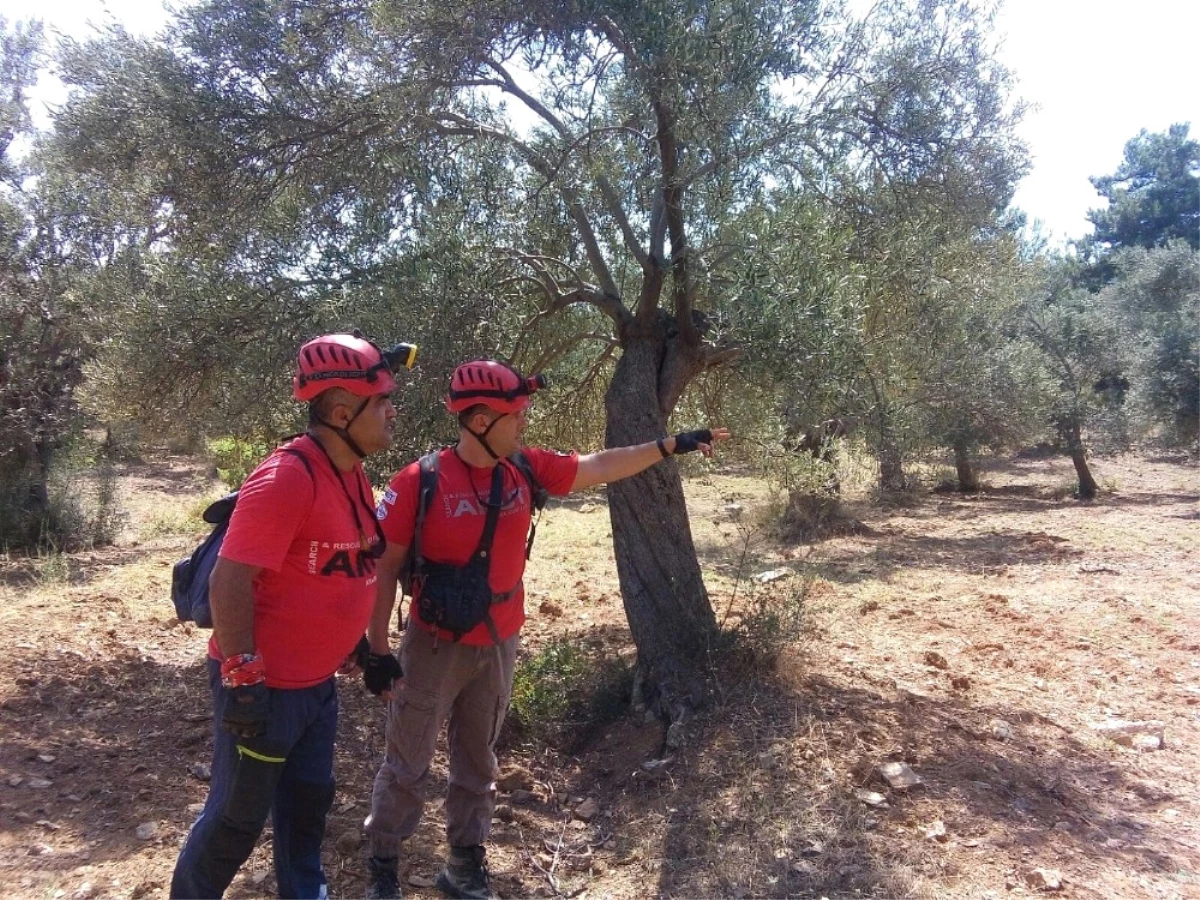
pixel 975 639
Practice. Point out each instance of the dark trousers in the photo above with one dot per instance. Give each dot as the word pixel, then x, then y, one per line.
pixel 287 773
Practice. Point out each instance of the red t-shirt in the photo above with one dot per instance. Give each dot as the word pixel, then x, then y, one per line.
pixel 316 590
pixel 455 519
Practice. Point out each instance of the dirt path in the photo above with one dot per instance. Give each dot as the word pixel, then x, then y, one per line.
pixel 975 640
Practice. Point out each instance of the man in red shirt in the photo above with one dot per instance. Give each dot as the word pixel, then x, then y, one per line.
pixel 291 594
pixel 468 677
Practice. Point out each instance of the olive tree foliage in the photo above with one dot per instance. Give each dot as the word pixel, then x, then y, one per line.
pixel 43 339
pixel 1079 342
pixel 554 182
pixel 1154 299
pixel 903 253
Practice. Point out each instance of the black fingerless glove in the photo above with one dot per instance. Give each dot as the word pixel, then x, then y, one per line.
pixel 247 711
pixel 687 441
pixel 380 672
pixel 362 650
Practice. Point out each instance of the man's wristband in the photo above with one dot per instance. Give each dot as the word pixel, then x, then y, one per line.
pixel 242 670
pixel 662 448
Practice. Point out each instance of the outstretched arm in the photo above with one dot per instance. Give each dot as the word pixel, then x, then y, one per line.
pixel 621 462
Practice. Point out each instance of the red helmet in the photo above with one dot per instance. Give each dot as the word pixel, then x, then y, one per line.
pixel 344 361
pixel 495 384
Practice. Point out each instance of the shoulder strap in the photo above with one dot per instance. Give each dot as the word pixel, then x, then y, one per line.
pixel 426 488
pixel 537 493
pixel 484 547
pixel 292 451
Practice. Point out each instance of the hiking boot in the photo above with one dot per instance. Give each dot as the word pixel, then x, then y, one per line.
pixel 466 876
pixel 383 879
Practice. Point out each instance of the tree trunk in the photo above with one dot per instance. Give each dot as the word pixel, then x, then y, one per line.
pixel 891 460
pixel 666 602
pixel 1074 440
pixel 968 483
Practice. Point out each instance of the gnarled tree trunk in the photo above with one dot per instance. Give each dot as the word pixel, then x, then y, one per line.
pixel 1069 429
pixel 968 482
pixel 666 602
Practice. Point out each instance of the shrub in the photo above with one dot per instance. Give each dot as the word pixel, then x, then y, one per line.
pixel 235 459
pixel 567 690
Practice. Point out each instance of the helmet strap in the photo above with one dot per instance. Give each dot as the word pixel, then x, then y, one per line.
pixel 343 431
pixel 482 438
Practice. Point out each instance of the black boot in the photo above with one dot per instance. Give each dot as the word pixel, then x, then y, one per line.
pixel 383 879
pixel 466 875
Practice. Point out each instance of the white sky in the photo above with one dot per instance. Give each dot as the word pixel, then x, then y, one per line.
pixel 1098 71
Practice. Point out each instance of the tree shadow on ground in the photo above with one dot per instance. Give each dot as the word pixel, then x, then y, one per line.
pixel 179 477
pixel 763 799
pixel 20 571
pixel 115 740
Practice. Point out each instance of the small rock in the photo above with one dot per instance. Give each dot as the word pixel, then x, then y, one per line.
pixel 48 825
pixel 1043 880
pixel 1001 730
pixel 734 510
pixel 201 772
pixel 420 881
pixel 147 830
pixel 1124 732
pixel 812 848
pixel 195 809
pixel 610 844
pixel 550 609
pixel 346 807
pixel 39 783
pixel 587 810
pixel 15 780
pixel 40 850
pixel 802 868
pixel 871 798
pixel 515 777
pixel 524 797
pixel 935 659
pixel 960 683
pixel 504 812
pixel 587 508
pixel 937 832
pixel 47 757
pixel 85 891
pixel 259 876
pixel 1145 742
pixel 899 775
pixel 348 842
pixel 675 737
pixel 657 765
pixel 772 575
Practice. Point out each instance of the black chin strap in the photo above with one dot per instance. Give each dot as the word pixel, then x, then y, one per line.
pixel 482 438
pixel 344 432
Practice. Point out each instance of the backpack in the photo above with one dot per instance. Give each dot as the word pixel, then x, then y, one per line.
pixel 189 578
pixel 416 567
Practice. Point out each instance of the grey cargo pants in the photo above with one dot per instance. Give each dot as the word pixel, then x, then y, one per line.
pixel 471 685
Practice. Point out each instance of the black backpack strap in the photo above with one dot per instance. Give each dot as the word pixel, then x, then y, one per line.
pixel 304 459
pixel 483 550
pixel 426 488
pixel 538 495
